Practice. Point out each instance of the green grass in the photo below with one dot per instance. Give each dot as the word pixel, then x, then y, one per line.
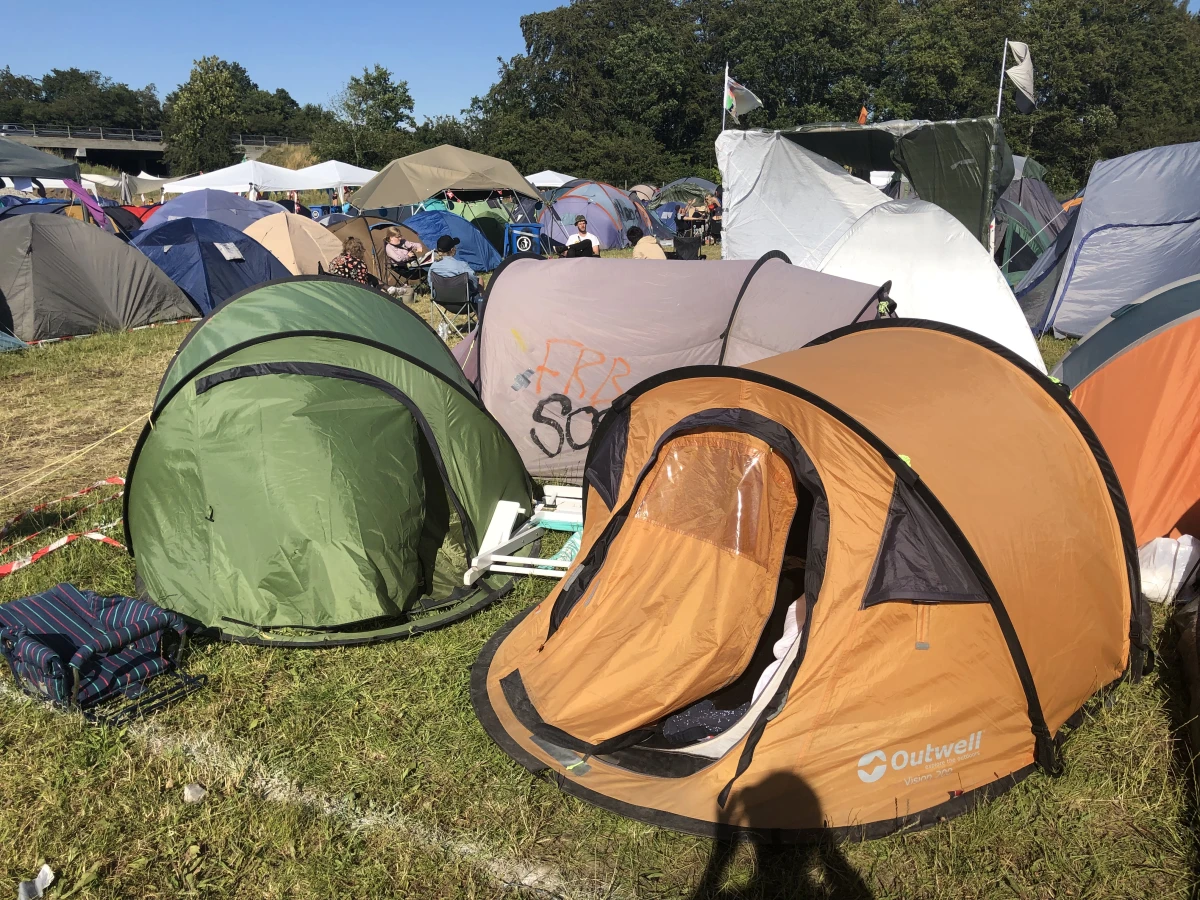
pixel 362 772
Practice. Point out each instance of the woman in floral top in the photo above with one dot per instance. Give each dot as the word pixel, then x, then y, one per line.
pixel 351 263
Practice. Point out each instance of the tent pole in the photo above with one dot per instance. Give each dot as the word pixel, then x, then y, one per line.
pixel 1000 93
pixel 724 91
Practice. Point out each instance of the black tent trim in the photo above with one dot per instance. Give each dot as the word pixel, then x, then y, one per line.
pixel 1139 610
pixel 1045 749
pixel 927 818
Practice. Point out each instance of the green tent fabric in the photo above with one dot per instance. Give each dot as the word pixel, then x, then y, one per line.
pixel 488 219
pixel 19 161
pixel 963 165
pixel 317 470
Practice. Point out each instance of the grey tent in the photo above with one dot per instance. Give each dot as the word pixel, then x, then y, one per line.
pixel 1138 229
pixel 560 340
pixel 1029 219
pixel 962 165
pixel 19 161
pixel 1037 286
pixel 60 277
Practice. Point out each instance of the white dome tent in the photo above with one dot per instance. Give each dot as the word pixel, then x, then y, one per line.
pixel 780 196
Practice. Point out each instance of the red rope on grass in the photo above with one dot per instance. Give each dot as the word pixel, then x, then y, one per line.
pixel 8 526
pixel 95 535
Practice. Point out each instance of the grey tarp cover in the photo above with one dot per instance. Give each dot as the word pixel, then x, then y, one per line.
pixel 1130 326
pixel 19 161
pixel 61 277
pixel 961 165
pixel 1138 229
pixel 561 339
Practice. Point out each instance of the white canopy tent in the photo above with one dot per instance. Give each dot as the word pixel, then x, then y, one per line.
pixel 780 196
pixel 242 178
pixel 548 179
pixel 331 175
pixel 336 176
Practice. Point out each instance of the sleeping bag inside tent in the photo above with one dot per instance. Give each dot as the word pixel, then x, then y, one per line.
pixel 316 470
pixel 799 608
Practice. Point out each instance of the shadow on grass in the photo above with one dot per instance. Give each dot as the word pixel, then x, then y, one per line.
pixel 810 871
pixel 1170 679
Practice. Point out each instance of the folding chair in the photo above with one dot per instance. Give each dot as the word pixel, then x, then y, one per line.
pixel 81 651
pixel 687 247
pixel 451 295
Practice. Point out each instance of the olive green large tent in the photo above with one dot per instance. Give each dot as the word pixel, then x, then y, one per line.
pixel 429 173
pixel 316 470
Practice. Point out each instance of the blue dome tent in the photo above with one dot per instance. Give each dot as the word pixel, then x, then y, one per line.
pixel 473 248
pixel 208 260
pixel 220 206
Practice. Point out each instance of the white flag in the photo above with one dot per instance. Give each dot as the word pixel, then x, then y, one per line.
pixel 1021 75
pixel 738 99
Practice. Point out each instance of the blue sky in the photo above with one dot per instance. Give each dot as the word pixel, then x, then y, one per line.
pixel 445 50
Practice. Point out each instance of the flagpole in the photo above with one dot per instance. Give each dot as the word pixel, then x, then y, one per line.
pixel 724 91
pixel 1000 93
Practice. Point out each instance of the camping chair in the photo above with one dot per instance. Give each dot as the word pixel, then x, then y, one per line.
pixel 80 650
pixel 687 247
pixel 451 295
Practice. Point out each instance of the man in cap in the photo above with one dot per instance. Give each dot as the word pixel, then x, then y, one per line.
pixel 582 234
pixel 447 264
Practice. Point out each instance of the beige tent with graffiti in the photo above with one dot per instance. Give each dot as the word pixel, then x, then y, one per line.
pixel 560 339
pixel 828 592
pixel 303 246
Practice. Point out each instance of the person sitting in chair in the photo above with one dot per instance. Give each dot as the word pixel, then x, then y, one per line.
pixel 644 245
pixel 447 265
pixel 402 253
pixel 351 263
pixel 582 234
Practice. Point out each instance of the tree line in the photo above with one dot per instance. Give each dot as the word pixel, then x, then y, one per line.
pixel 630 90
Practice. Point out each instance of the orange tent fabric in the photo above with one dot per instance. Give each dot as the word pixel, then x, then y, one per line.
pixel 1143 407
pixel 953 613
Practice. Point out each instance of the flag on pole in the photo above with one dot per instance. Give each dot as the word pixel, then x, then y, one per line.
pixel 862 116
pixel 738 99
pixel 1021 75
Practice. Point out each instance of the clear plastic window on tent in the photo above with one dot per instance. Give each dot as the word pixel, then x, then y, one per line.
pixel 716 488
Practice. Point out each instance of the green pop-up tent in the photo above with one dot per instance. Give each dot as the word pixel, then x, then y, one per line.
pixel 317 470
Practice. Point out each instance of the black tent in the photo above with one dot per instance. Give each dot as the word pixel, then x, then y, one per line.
pixel 19 161
pixel 61 277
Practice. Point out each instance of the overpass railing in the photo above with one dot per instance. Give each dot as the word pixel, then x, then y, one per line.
pixel 105 133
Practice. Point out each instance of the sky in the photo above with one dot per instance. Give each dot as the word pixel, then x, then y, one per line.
pixel 446 50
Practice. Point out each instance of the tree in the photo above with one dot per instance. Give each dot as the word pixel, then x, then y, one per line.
pixel 371 121
pixel 202 116
pixel 75 97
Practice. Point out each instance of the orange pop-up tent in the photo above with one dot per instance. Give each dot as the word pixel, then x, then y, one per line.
pixel 826 592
